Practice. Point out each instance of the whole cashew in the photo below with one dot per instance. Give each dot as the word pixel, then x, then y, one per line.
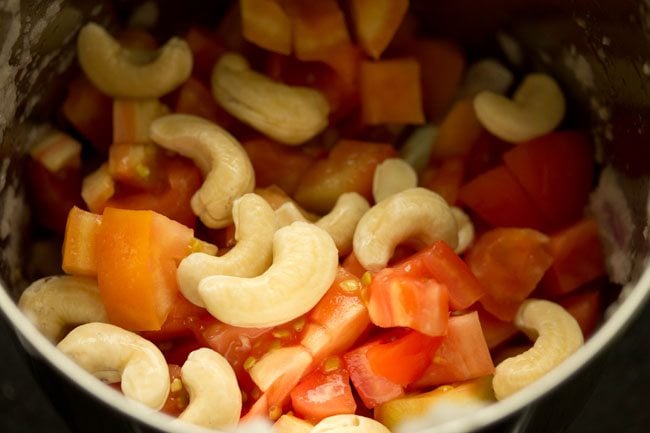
pixel 536 108
pixel 304 265
pixel 254 228
pixel 391 176
pixel 55 304
pixel 114 354
pixel 465 230
pixel 340 222
pixel 288 114
pixel 225 165
pixel 417 215
pixel 556 334
pixel 215 398
pixel 348 423
pixel 124 73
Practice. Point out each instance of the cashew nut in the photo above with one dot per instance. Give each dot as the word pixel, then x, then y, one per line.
pixel 288 114
pixel 114 355
pixel 536 108
pixel 304 265
pixel 55 304
pixel 225 165
pixel 348 423
pixel 215 398
pixel 556 334
pixel 340 222
pixel 465 229
pixel 254 228
pixel 124 73
pixel 418 216
pixel 391 176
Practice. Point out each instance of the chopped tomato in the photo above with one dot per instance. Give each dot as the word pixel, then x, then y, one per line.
pixel 137 256
pixel 509 262
pixel 376 22
pixel 445 178
pixel 458 131
pixel 586 308
pixel 497 197
pixel 195 98
pixel 182 320
pixel 206 49
pixel 496 331
pixel 556 171
pixel 396 298
pixel 403 359
pixel 323 393
pixel 266 24
pixel 137 165
pixel 462 355
pixel 486 153
pixel 178 398
pixel 349 167
pixel 577 258
pixel 373 388
pixel 79 243
pixel 442 264
pixel 353 266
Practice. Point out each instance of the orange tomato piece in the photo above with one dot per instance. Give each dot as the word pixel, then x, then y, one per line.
pixel 495 331
pixel 458 131
pixel 445 178
pixel 391 92
pixel 376 22
pixel 137 165
pixel 350 166
pixel 79 243
pixel 509 263
pixel 266 24
pixel 137 256
pixel 195 98
pixel 586 308
pixel 578 258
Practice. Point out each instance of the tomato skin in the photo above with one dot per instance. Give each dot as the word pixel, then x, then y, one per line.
pixel 398 299
pixel 321 394
pixel 509 262
pixel 403 360
pixel 556 170
pixel 462 355
pixel 442 264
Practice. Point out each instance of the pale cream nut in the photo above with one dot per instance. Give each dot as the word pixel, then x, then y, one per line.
pixel 124 73
pixel 215 398
pixel 536 108
pixel 466 230
pixel 288 114
pixel 340 222
pixel 556 334
pixel 114 355
pixel 348 423
pixel 254 221
pixel 305 260
pixel 391 176
pixel 228 172
pixel 417 216
pixel 57 303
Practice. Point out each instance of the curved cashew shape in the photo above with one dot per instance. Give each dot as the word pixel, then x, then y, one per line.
pixel 114 354
pixel 536 108
pixel 417 215
pixel 225 165
pixel 348 423
pixel 123 73
pixel 288 114
pixel 215 398
pixel 391 176
pixel 557 335
pixel 304 265
pixel 254 228
pixel 55 304
pixel 465 230
pixel 340 222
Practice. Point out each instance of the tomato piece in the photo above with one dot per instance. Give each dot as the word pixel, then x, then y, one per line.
pixel 445 178
pixel 373 389
pixel 509 263
pixel 458 131
pixel 463 354
pixel 266 24
pixel 403 360
pixel 195 98
pixel 391 92
pixel 349 167
pixel 137 165
pixel 206 49
pixel 277 164
pixel 486 153
pixel 442 264
pixel 53 195
pixel 578 258
pixel 396 298
pixel 137 256
pixel 376 22
pixel 556 171
pixel 183 178
pixel 79 243
pixel 353 266
pixel 323 393
pixel 495 331
pixel 498 198
pixel 182 320
pixel 586 308
pixel 178 398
